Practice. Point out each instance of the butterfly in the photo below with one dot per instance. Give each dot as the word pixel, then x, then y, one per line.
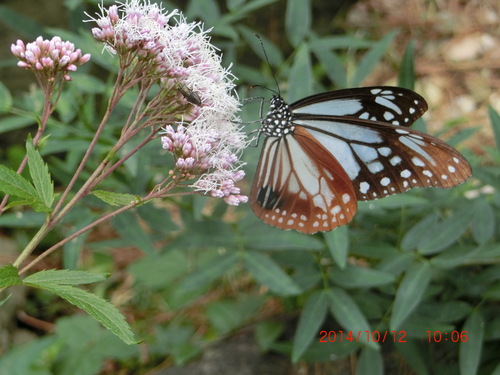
pixel 324 153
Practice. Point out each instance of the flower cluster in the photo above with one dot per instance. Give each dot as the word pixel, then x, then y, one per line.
pixel 207 143
pixel 210 157
pixel 49 58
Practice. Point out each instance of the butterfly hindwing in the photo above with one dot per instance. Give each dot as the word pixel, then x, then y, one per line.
pixel 395 105
pixel 383 159
pixel 300 185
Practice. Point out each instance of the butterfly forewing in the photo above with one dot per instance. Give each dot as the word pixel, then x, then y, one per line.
pixel 395 105
pixel 299 185
pixel 383 159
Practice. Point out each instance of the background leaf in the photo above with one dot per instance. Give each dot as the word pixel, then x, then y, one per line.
pixel 350 317
pixel 268 273
pixel 297 20
pixel 410 292
pixel 470 351
pixel 312 316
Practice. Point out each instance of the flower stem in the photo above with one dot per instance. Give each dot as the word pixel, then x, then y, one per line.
pixel 152 195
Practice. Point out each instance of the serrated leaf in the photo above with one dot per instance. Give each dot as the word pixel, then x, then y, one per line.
pixel 65 277
pixel 15 184
pixel 470 351
pixel 100 309
pixel 337 242
pixel 410 292
pixel 9 276
pixel 312 316
pixel 114 199
pixel 297 20
pixel 267 272
pixel 40 175
pixel 349 315
pixel 372 58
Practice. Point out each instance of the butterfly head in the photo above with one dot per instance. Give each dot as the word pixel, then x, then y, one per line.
pixel 278 121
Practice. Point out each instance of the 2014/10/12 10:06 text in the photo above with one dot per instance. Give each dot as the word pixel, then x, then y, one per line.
pixel 385 336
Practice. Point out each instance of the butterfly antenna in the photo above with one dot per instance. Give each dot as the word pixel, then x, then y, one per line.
pixel 268 63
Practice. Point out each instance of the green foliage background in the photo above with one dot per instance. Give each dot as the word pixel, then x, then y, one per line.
pixel 423 261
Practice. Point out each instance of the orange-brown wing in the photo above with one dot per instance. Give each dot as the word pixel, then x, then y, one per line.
pixel 300 185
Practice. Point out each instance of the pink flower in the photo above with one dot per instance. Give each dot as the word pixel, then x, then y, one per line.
pixel 49 58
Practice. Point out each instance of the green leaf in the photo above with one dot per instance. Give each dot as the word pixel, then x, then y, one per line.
pixel 348 314
pixel 5 99
pixel 266 333
pixel 9 276
pixel 415 356
pixel 126 224
pixel 24 25
pixel 273 53
pixel 114 199
pixel 419 232
pixel 204 276
pixel 158 272
pixel 65 277
pixel 495 124
pixel 370 362
pixel 242 12
pixel 3 301
pixel 410 292
pixel 337 242
pixel 40 175
pixel 297 20
pixel 360 277
pixel 372 58
pixel 446 232
pixel 261 236
pixel 301 77
pixel 8 124
pixel 100 309
pixel 32 358
pixel 226 315
pixel 470 351
pixel 267 272
pixel 15 184
pixel 406 77
pixel 312 316
pixel 334 67
pixel 483 222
